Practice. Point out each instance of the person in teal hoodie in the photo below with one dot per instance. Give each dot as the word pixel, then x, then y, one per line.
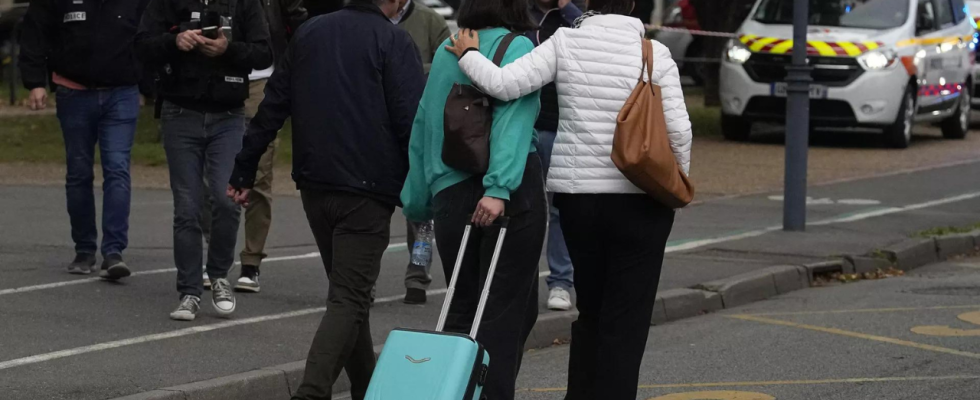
pixel 513 187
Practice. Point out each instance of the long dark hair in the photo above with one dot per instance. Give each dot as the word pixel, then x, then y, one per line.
pixel 620 7
pixel 482 14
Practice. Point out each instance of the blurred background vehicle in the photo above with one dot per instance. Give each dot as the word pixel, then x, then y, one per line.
pixel 883 64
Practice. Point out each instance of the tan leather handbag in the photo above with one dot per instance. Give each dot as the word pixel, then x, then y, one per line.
pixel 641 149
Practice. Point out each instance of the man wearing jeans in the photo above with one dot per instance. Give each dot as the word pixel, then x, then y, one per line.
pixel 352 103
pixel 86 48
pixel 550 16
pixel 205 51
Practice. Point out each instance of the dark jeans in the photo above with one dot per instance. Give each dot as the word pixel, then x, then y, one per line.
pixel 617 244
pixel 352 232
pixel 202 146
pixel 106 117
pixel 512 308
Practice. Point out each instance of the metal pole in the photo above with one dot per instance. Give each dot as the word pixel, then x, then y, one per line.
pixel 797 124
pixel 13 64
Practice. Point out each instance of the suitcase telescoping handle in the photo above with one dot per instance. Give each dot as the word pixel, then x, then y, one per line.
pixel 502 222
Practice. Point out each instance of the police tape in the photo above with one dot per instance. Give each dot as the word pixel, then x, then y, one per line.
pixel 692 31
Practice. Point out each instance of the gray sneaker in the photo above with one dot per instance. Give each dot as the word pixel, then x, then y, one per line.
pixel 82 265
pixel 113 268
pixel 187 310
pixel 222 297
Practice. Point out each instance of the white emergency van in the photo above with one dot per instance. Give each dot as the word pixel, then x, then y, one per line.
pixel 974 12
pixel 875 63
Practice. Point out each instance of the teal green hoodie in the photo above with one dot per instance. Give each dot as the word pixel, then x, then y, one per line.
pixel 511 137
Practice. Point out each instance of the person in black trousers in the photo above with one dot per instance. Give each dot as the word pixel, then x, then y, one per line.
pixel 352 102
pixel 512 187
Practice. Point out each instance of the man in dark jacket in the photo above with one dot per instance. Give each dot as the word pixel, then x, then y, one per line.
pixel 205 51
pixel 86 48
pixel 352 104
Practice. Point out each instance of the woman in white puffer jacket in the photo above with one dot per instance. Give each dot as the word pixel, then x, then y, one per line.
pixel 616 234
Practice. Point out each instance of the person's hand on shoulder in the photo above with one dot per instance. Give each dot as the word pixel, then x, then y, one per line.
pixel 466 40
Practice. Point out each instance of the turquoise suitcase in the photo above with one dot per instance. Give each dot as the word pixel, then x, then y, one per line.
pixel 436 365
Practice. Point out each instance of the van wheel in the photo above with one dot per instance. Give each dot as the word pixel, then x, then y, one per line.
pixel 899 134
pixel 736 129
pixel 958 124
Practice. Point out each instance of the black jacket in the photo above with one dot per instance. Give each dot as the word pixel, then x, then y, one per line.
pixel 284 17
pixel 191 79
pixel 90 42
pixel 351 81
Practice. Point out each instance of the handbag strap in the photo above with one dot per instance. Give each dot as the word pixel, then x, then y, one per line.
pixel 647 67
pixel 498 57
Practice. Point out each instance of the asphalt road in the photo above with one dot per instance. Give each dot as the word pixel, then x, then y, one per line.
pixel 64 337
pixel 912 337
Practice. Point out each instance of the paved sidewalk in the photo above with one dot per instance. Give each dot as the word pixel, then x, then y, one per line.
pixel 90 330
pixel 912 337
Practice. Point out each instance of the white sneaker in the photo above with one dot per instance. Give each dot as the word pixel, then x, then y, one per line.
pixel 207 281
pixel 559 300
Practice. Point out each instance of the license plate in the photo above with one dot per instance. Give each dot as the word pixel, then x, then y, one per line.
pixel 816 91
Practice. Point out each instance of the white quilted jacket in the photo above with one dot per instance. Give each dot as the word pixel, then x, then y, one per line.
pixel 596 68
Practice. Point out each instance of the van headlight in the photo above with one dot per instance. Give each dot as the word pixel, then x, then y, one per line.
pixel 738 53
pixel 877 60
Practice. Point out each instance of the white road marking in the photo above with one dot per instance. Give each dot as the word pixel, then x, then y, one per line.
pixel 693 244
pixel 858 202
pixel 185 332
pixel 810 201
pixel 24 289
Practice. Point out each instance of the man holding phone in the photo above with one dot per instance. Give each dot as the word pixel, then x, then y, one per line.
pixel 204 51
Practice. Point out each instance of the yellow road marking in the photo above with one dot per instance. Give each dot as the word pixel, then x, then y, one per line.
pixel 788 382
pixel 716 395
pixel 971 317
pixel 858 335
pixel 867 310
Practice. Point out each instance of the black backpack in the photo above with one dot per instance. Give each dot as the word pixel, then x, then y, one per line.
pixel 467 120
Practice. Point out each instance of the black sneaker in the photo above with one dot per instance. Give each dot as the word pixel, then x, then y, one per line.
pixel 249 281
pixel 415 296
pixel 187 310
pixel 83 264
pixel 113 268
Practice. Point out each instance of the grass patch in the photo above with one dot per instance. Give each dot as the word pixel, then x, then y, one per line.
pixel 946 230
pixel 705 121
pixel 38 139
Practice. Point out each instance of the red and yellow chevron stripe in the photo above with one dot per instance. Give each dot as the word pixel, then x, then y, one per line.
pixel 769 45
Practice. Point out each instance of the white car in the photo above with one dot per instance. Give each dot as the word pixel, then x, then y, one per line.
pixel 974 7
pixel 876 63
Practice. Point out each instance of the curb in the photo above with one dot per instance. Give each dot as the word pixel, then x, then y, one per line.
pixel 281 381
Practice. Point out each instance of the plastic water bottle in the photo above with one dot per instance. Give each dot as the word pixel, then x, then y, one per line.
pixel 422 249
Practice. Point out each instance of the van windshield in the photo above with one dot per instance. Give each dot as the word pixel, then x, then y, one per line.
pixel 865 14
